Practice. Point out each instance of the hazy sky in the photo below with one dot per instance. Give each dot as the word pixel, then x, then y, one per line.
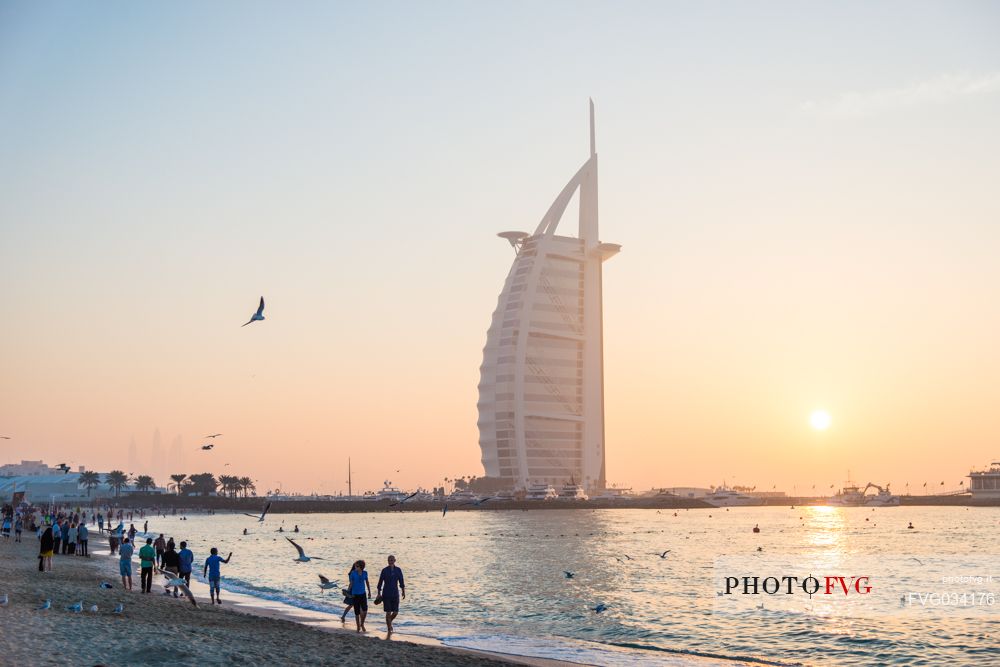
pixel 806 195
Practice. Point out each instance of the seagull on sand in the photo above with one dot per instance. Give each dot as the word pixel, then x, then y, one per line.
pixel 303 558
pixel 75 608
pixel 93 609
pixel 326 584
pixel 179 583
pixel 46 605
pixel 4 600
pixel 119 608
pixel 262 514
pixel 569 575
pixel 259 315
pixel 105 584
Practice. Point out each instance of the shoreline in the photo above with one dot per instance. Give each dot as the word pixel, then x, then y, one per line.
pixel 158 630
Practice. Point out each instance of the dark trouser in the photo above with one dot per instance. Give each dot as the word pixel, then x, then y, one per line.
pixel 186 576
pixel 83 548
pixel 69 548
pixel 146 579
pixel 159 557
pixel 55 545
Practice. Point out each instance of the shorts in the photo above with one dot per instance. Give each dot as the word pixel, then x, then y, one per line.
pixel 125 567
pixel 213 582
pixel 390 604
pixel 360 603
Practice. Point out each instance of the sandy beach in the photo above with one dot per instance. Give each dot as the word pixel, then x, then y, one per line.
pixel 160 630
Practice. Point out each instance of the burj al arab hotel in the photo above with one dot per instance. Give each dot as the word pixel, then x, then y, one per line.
pixel 541 388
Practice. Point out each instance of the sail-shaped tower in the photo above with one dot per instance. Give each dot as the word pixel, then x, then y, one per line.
pixel 541 388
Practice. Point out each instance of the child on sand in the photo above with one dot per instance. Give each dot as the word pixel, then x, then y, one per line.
pixel 214 575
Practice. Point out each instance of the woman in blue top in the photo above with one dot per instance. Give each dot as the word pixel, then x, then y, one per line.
pixel 359 582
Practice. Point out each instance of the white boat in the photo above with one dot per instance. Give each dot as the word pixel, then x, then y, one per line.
pixel 854 496
pixel 463 497
pixel 615 494
pixel 723 497
pixel 541 492
pixel 389 492
pixel 572 491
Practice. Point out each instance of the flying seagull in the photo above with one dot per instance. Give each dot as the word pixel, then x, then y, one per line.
pixel 325 583
pixel 259 315
pixel 4 437
pixel 444 511
pixel 214 435
pixel 303 558
pixel 479 502
pixel 207 447
pixel 75 608
pixel 178 583
pixel 262 514
pixel 400 502
pixel 664 554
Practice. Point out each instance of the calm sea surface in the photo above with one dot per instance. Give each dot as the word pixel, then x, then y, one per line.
pixel 494 579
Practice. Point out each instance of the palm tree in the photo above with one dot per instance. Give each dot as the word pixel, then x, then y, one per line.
pixel 247 484
pixel 226 484
pixel 117 480
pixel 203 483
pixel 144 483
pixel 90 479
pixel 177 482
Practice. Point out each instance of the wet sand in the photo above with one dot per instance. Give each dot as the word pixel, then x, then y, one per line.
pixel 160 630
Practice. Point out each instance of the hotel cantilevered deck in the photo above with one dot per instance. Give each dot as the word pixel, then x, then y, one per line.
pixel 541 389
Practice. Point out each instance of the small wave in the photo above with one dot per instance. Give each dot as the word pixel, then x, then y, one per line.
pixel 237 585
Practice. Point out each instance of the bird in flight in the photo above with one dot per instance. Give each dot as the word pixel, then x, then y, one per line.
pixel 444 511
pixel 4 437
pixel 259 315
pixel 664 554
pixel 178 583
pixel 325 583
pixel 214 435
pixel 303 558
pixel 63 467
pixel 207 447
pixel 400 502
pixel 262 514
pixel 479 502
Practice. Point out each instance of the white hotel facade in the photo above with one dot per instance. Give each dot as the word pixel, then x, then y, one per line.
pixel 541 389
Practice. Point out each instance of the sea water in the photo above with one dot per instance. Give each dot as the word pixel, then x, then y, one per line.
pixel 495 580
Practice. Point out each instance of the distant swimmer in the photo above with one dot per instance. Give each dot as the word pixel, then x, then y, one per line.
pixel 281 529
pixel 756 528
pixel 245 531
pixel 296 528
pixel 599 608
pixel 910 526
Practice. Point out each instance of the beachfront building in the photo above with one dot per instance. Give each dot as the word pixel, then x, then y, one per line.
pixel 29 469
pixel 541 389
pixel 985 484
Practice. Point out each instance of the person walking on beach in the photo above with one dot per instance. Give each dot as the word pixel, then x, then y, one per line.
pixel 388 581
pixel 160 545
pixel 18 527
pixel 82 537
pixel 186 557
pixel 6 528
pixel 214 575
pixel 131 533
pixel 125 563
pixel 359 582
pixel 172 564
pixel 145 527
pixel 65 528
pixel 46 547
pixel 56 536
pixel 100 523
pixel 147 559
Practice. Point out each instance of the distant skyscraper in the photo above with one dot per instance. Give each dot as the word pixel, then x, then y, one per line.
pixel 541 389
pixel 155 457
pixel 176 460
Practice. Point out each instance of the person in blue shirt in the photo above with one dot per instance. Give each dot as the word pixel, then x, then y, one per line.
pixel 214 575
pixel 390 584
pixel 83 536
pixel 125 564
pixel 186 561
pixel 359 582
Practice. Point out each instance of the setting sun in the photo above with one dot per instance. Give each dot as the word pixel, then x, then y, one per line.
pixel 820 420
